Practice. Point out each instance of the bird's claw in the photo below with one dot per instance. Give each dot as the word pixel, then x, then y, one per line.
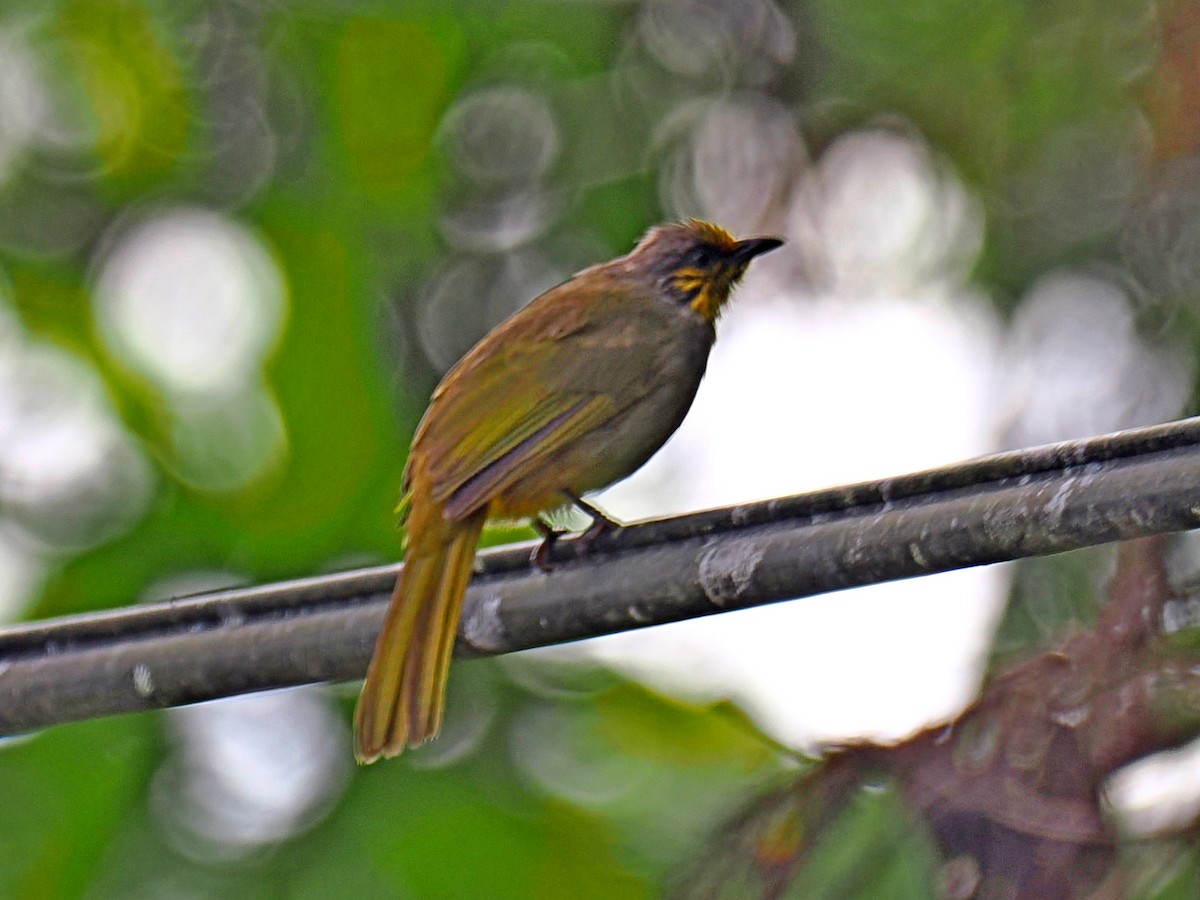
pixel 540 556
pixel 601 524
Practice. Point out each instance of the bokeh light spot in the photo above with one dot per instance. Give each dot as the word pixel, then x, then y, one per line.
pixel 23 100
pixel 69 473
pixel 191 300
pixel 881 214
pixel 1079 367
pixel 249 771
pixel 501 134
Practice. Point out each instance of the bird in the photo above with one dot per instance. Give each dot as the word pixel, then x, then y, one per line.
pixel 573 392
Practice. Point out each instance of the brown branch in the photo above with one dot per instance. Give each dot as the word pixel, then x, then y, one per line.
pixel 1011 791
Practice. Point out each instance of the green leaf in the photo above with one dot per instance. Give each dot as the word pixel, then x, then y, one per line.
pixel 67 792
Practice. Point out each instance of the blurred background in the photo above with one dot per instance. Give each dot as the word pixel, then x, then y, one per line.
pixel 240 242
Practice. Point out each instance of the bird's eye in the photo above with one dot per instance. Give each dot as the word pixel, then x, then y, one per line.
pixel 702 257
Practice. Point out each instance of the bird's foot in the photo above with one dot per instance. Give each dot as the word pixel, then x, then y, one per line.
pixel 602 523
pixel 540 556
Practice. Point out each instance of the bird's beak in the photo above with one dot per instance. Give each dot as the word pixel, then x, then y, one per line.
pixel 746 250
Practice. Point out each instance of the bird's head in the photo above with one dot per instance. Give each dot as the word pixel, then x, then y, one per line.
pixel 697 263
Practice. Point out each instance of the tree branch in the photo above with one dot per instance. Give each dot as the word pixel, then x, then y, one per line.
pixel 1003 507
pixel 1013 790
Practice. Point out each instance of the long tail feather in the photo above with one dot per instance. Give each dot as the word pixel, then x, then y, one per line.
pixel 403 696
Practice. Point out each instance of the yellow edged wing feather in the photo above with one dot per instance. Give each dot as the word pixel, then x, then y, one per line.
pixel 544 436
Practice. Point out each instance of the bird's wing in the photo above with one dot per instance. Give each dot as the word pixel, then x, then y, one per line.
pixel 577 417
pixel 519 398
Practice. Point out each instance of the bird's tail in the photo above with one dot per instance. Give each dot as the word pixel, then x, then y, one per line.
pixel 402 699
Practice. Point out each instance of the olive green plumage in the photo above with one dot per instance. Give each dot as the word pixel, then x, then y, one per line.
pixel 572 393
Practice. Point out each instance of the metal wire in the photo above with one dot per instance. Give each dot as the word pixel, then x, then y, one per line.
pixel 1026 503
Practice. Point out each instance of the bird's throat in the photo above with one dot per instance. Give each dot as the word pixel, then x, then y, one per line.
pixel 709 301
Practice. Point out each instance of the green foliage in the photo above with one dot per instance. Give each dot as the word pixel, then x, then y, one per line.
pixel 68 793
pixel 872 850
pixel 133 89
pixel 386 136
pixel 1051 596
